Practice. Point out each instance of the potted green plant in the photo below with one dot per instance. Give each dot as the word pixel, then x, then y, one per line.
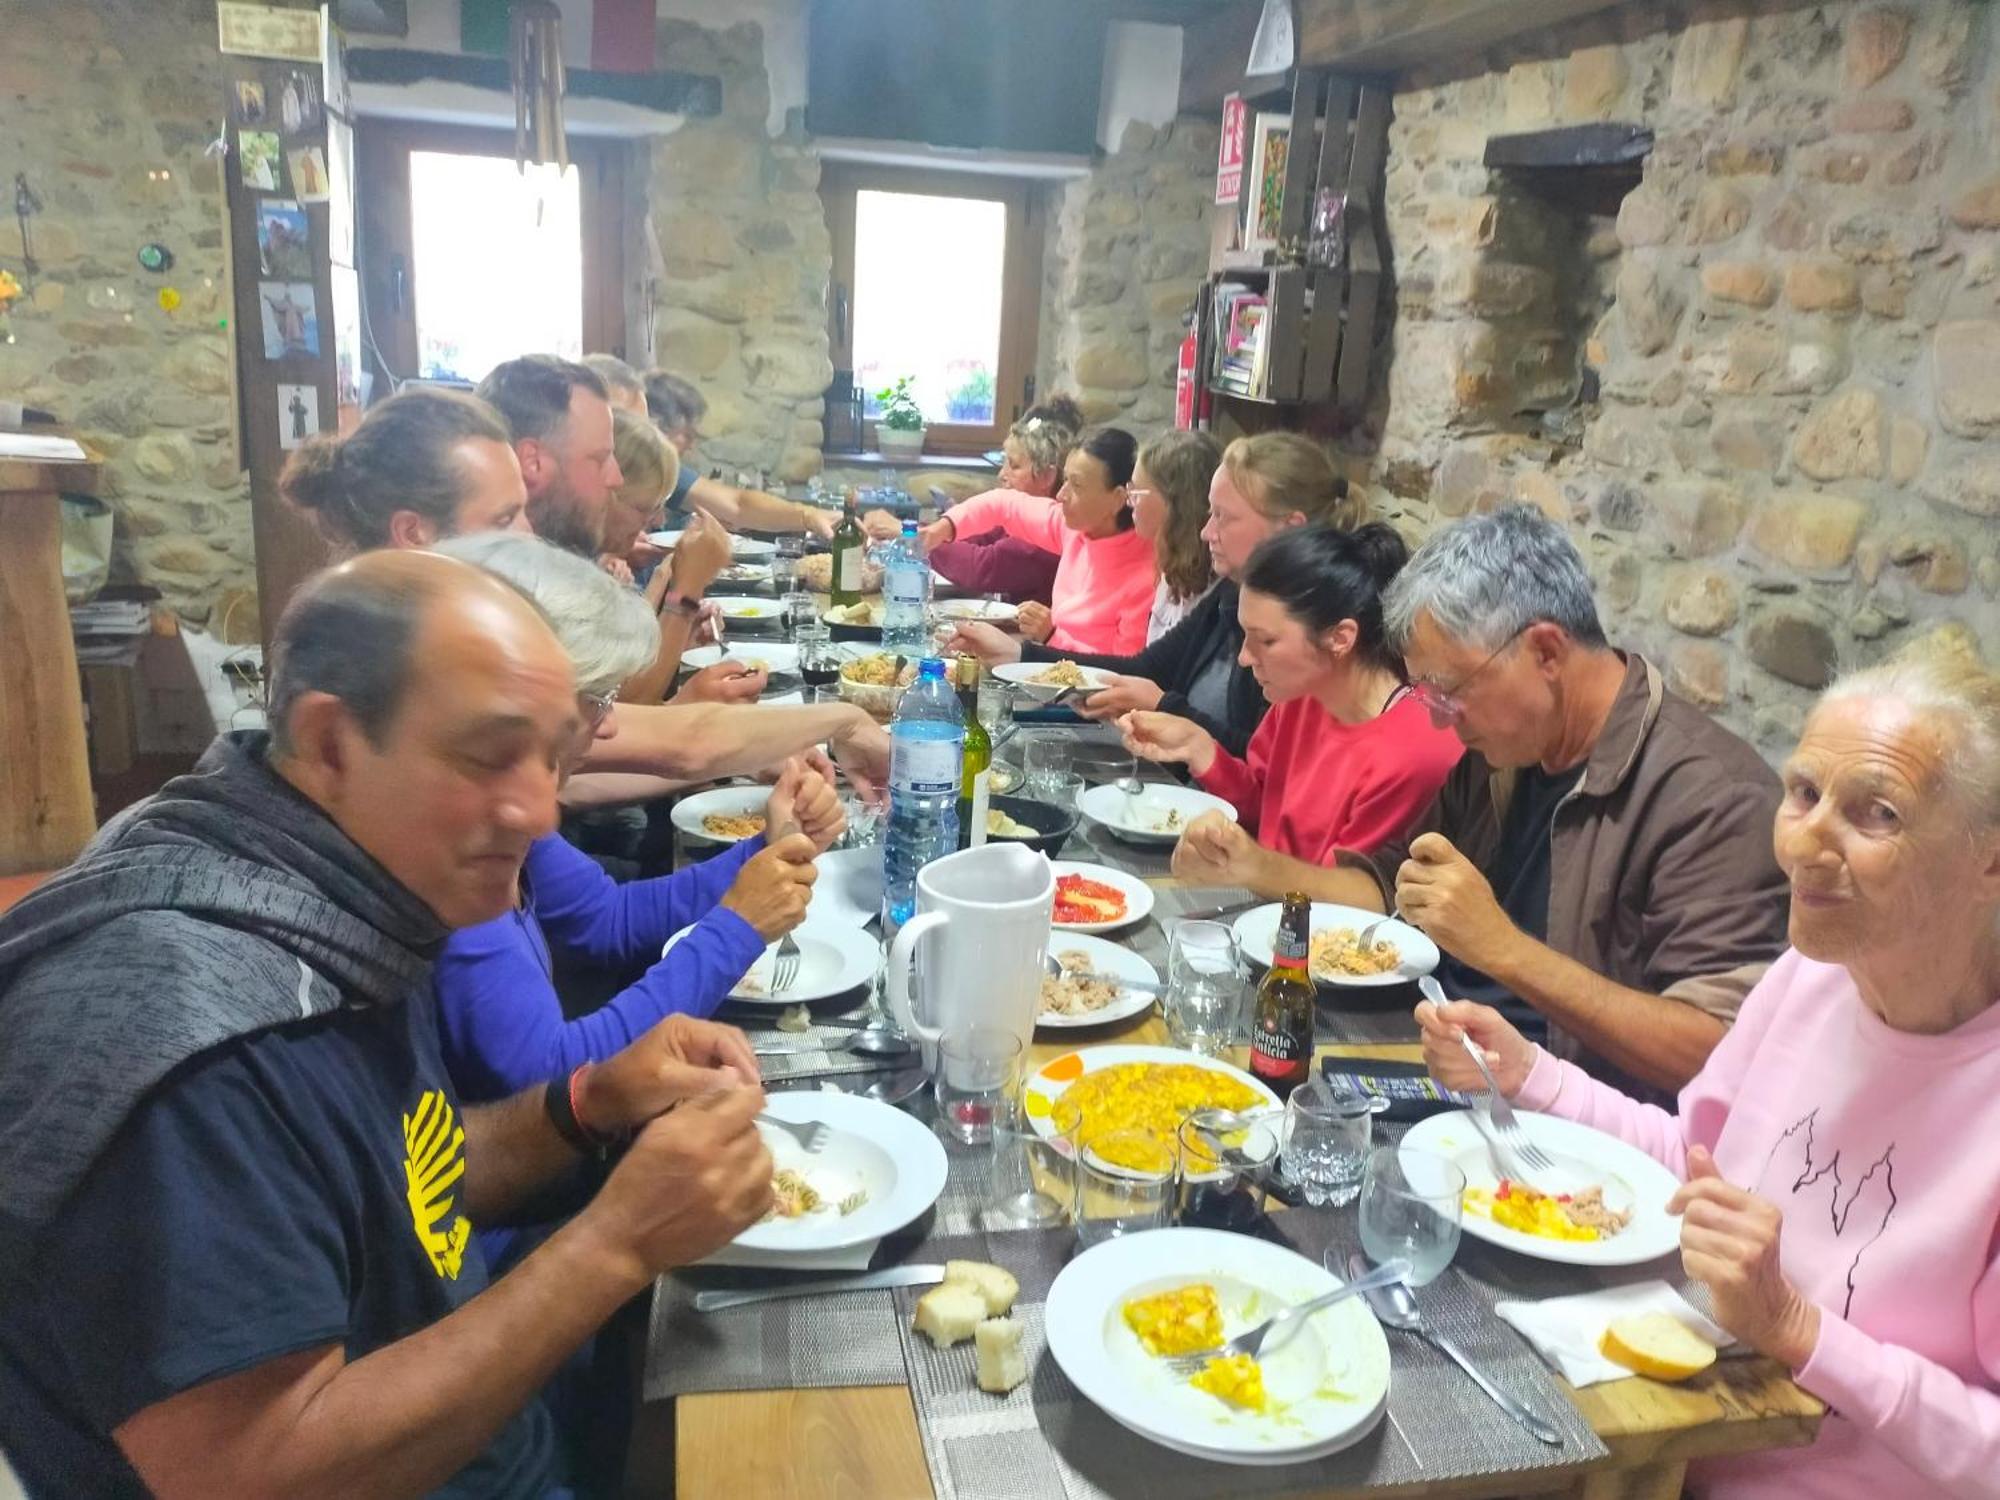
pixel 899 425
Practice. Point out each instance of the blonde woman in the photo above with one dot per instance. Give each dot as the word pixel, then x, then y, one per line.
pixel 1263 485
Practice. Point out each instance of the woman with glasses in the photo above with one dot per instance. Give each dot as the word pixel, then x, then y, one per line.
pixel 1346 758
pixel 502 1021
pixel 1031 464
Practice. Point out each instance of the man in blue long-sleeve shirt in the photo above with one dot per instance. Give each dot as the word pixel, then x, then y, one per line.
pixel 502 1023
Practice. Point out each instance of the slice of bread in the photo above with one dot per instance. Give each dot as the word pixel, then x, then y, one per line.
pixel 1658 1345
pixel 996 1288
pixel 948 1314
pixel 1002 1365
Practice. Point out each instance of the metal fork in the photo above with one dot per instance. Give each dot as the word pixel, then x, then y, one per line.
pixel 785 966
pixel 1288 1322
pixel 811 1135
pixel 1367 939
pixel 1507 1131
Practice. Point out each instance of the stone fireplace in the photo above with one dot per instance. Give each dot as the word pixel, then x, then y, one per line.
pixel 1762 385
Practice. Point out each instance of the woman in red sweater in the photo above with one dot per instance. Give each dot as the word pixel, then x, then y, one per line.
pixel 1347 757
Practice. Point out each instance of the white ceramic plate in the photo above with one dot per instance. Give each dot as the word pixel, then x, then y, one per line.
pixel 1632 1180
pixel 1257 931
pixel 779 656
pixel 1023 673
pixel 748 572
pixel 873 1148
pixel 747 608
pixel 1108 959
pixel 741 548
pixel 1138 895
pixel 1046 1084
pixel 992 611
pixel 1331 1378
pixel 1155 816
pixel 723 800
pixel 834 958
pixel 849 887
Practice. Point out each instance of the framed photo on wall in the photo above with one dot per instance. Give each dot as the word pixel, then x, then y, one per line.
pixel 1270 143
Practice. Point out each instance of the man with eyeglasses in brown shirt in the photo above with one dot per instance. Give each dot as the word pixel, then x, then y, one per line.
pixel 1599 864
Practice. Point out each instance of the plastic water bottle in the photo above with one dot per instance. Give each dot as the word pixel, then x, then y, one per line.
pixel 926 738
pixel 906 597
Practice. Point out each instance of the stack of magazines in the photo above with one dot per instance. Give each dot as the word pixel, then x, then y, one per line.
pixel 1239 317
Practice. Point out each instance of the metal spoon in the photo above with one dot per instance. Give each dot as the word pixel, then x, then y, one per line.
pixel 1397 1308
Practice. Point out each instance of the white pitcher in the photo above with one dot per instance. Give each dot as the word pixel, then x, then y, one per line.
pixel 975 946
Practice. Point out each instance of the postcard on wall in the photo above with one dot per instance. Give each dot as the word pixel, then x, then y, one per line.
pixel 247 103
pixel 297 101
pixel 308 165
pixel 298 414
pixel 290 311
pixel 284 243
pixel 1270 142
pixel 268 31
pixel 257 158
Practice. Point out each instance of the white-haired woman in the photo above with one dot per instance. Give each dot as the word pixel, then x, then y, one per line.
pixel 502 1022
pixel 1840 1199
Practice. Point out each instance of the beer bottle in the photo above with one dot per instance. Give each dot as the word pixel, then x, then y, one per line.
pixel 975 787
pixel 850 550
pixel 1281 1031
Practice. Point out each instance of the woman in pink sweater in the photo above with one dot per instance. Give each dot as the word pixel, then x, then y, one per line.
pixel 1841 1200
pixel 1104 584
pixel 1347 757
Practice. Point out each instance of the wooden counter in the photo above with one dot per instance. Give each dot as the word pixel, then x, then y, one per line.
pixel 46 814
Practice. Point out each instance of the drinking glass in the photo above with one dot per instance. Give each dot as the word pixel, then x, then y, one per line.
pixel 785 561
pixel 1124 1183
pixel 1326 1143
pixel 1204 998
pixel 995 702
pixel 819 662
pixel 1045 760
pixel 976 1070
pixel 1060 789
pixel 1034 1178
pixel 801 613
pixel 1412 1205
pixel 1225 1160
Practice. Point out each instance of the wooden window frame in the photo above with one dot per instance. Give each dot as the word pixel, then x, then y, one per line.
pixel 382 152
pixel 1020 293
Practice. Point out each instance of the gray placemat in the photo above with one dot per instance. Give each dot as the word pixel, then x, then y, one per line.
pixel 1043 1439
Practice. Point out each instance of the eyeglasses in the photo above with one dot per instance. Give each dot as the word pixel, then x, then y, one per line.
pixel 1446 705
pixel 595 708
pixel 1134 496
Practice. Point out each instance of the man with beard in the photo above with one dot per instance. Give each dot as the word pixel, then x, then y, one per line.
pixel 559 413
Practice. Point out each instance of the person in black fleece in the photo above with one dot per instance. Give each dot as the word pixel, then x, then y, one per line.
pixel 1266 483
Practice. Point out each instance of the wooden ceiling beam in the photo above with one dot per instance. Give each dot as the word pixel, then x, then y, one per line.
pixel 1385 36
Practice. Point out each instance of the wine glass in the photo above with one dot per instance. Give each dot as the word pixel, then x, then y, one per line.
pixel 1412 1206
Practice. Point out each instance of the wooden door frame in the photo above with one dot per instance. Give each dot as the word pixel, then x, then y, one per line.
pixel 1021 278
pixel 382 151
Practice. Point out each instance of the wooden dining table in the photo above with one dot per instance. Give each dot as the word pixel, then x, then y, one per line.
pixel 861 1442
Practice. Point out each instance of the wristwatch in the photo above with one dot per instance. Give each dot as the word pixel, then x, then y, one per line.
pixel 679 603
pixel 559 1101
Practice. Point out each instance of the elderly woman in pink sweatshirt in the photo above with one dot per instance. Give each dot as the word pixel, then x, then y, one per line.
pixel 1105 581
pixel 1842 1196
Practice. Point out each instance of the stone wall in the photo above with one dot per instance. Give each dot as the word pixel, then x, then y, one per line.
pixel 741 306
pixel 107 107
pixel 1127 246
pixel 1795 320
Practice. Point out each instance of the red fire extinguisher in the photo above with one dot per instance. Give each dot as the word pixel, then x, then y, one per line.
pixel 1184 386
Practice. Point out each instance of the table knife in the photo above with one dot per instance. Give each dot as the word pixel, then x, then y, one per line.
pixel 867 1281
